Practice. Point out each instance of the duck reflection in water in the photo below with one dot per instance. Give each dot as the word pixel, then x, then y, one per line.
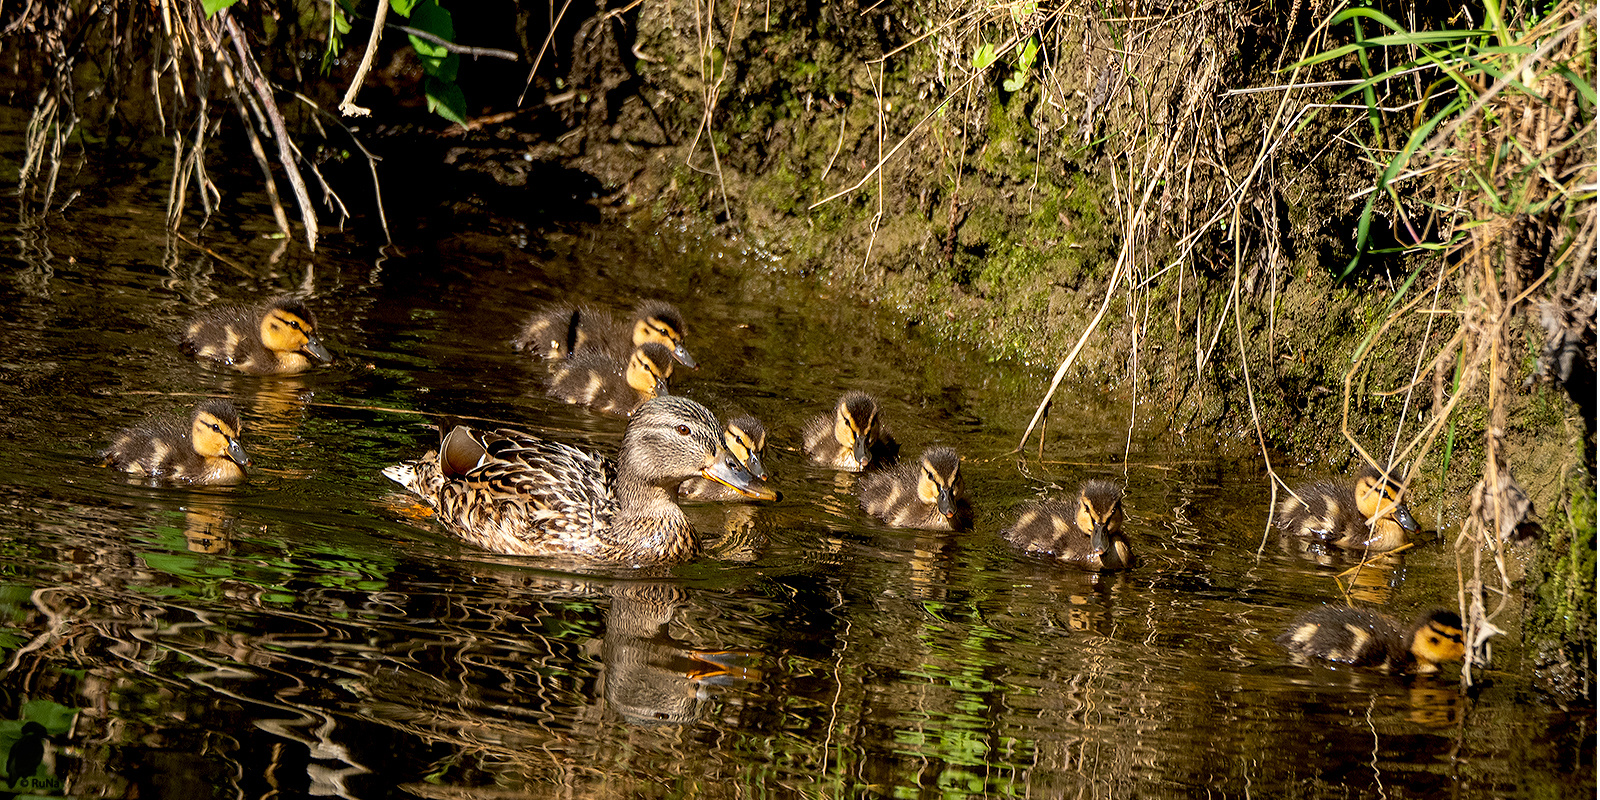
pixel 650 678
pixel 1370 579
pixel 207 529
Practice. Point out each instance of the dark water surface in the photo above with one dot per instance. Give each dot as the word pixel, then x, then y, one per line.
pixel 305 634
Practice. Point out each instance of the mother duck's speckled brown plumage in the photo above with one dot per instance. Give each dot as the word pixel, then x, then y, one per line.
pixel 513 493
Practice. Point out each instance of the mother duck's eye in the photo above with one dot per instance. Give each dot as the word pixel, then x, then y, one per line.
pixel 683 430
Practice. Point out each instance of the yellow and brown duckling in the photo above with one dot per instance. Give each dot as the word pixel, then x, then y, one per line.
pixel 746 440
pixel 1338 514
pixel 200 448
pixel 1363 638
pixel 278 337
pixel 853 438
pixel 598 380
pixel 513 493
pixel 928 494
pixel 1085 532
pixel 557 332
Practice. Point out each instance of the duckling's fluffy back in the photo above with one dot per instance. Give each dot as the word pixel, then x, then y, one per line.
pixel 559 331
pixel 1050 527
pixel 1364 638
pixel 162 447
pixel 597 379
pixel 908 495
pixel 231 335
pixel 1328 512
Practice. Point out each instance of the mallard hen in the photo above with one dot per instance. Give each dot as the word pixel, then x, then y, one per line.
pixel 514 493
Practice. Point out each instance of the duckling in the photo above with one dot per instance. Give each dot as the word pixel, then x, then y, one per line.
pixel 1363 638
pixel 559 331
pixel 517 494
pixel 598 380
pixel 200 449
pixel 1335 514
pixel 1086 534
pixel 854 438
pixel 746 439
pixel 278 337
pixel 929 494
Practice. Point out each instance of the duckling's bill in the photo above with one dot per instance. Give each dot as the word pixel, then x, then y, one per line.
pixel 682 354
pixel 732 474
pixel 317 350
pixel 946 502
pixel 236 453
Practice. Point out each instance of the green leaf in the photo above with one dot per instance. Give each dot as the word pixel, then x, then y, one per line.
pixel 1017 80
pixel 1027 52
pixel 211 7
pixel 446 100
pixel 436 59
pixel 984 56
pixel 402 7
pixel 56 718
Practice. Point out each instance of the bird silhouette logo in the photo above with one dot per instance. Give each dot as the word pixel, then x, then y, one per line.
pixel 27 752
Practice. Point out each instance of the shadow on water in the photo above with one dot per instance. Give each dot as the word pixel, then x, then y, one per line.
pixel 313 632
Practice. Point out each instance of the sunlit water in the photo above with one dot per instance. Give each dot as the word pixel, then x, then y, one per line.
pixel 308 633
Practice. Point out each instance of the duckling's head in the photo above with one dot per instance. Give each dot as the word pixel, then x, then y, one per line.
pixel 288 326
pixel 1378 497
pixel 655 321
pixel 746 439
pixel 214 432
pixel 649 368
pixel 1100 515
pixel 673 438
pixel 939 480
pixel 1436 637
pixel 854 419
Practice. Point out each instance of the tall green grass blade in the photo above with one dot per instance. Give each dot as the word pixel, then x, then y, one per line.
pixel 1369 94
pixel 1418 136
pixel 1585 89
pixel 1363 226
pixel 1393 301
